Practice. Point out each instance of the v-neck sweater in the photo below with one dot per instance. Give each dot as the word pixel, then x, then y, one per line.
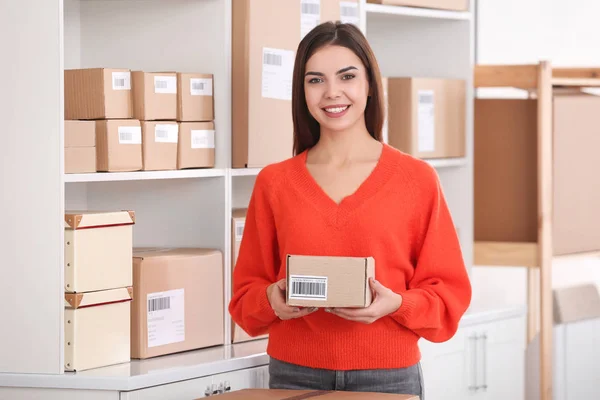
pixel 399 216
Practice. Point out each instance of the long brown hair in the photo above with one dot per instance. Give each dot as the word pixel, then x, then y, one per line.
pixel 306 128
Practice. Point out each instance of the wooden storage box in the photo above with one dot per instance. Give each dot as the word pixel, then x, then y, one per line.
pixel 98 250
pixel 97 328
pixel 506 177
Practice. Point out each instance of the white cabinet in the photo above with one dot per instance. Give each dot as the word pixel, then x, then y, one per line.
pixel 482 361
pixel 203 387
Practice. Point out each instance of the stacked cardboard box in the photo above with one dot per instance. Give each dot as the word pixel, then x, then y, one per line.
pixel 137 119
pixel 263 53
pixel 175 293
pixel 98 288
pixel 450 5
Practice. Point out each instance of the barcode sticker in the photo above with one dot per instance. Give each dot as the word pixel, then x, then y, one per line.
pixel 166 317
pixel 130 134
pixel 349 13
pixel 166 133
pixel 426 120
pixel 277 70
pixel 201 87
pixel 203 139
pixel 121 80
pixel 239 230
pixel 165 84
pixel 310 15
pixel 308 287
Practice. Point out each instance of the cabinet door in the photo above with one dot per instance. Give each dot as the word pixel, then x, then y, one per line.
pixel 186 390
pixel 250 378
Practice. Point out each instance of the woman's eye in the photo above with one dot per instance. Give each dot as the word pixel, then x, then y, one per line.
pixel 347 76
pixel 314 80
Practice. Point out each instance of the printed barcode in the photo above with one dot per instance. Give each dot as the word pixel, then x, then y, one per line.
pixel 199 140
pixel 197 85
pixel 119 82
pixel 125 136
pixel 310 8
pixel 309 289
pixel 346 11
pixel 160 303
pixel 425 98
pixel 158 84
pixel 162 134
pixel 273 59
pixel 239 230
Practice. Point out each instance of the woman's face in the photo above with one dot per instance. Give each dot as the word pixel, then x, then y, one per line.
pixel 336 88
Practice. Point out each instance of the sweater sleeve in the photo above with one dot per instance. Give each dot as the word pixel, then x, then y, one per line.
pixel 439 292
pixel 257 263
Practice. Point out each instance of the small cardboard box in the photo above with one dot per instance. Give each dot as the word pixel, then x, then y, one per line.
pixel 451 5
pixel 322 281
pixel 118 145
pixel 238 221
pixel 159 145
pixel 154 95
pixel 80 147
pixel 281 394
pixel 196 145
pixel 98 93
pixel 97 328
pixel 195 102
pixel 426 116
pixel 98 247
pixel 178 300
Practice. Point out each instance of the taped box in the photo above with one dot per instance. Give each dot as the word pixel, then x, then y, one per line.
pixel 280 394
pixel 324 281
pixel 97 328
pixel 98 248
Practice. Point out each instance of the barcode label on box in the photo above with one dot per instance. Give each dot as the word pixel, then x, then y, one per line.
pixel 165 84
pixel 201 87
pixel 278 67
pixel 121 80
pixel 308 287
pixel 349 13
pixel 203 139
pixel 166 133
pixel 239 230
pixel 310 15
pixel 426 120
pixel 166 317
pixel 130 134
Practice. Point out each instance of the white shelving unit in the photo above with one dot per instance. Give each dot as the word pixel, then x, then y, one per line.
pixel 173 208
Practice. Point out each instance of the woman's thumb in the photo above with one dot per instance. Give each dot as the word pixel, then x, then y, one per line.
pixel 282 284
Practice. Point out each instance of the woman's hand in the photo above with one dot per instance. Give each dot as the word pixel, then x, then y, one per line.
pixel 384 303
pixel 276 296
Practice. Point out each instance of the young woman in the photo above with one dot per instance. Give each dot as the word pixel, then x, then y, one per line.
pixel 345 193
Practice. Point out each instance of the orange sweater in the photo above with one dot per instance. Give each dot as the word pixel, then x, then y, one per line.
pixel 399 216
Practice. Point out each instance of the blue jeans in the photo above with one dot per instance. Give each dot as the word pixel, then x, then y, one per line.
pixel 283 375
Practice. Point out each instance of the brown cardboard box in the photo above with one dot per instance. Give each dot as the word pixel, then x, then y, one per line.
pixel 281 394
pixel 196 147
pixel 80 147
pixel 177 300
pixel 320 281
pixel 98 93
pixel 238 221
pixel 159 145
pixel 195 101
pixel 505 164
pixel 263 55
pixel 118 145
pixel 426 116
pixel 452 5
pixel 154 95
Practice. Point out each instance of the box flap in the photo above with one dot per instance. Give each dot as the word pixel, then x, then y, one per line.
pixel 98 219
pixel 576 303
pixel 154 252
pixel 239 212
pixel 102 297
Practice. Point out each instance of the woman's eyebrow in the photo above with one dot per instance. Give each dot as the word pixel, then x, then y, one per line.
pixel 341 71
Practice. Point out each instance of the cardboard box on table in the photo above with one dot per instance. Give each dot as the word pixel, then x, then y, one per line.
pixel 280 394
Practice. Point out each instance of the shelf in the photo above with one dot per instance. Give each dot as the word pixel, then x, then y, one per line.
pixel 144 175
pixel 506 254
pixel 447 162
pixel 245 171
pixel 414 12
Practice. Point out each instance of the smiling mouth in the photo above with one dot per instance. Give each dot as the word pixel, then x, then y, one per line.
pixel 336 110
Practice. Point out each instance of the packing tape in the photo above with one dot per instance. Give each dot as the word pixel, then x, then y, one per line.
pixel 316 393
